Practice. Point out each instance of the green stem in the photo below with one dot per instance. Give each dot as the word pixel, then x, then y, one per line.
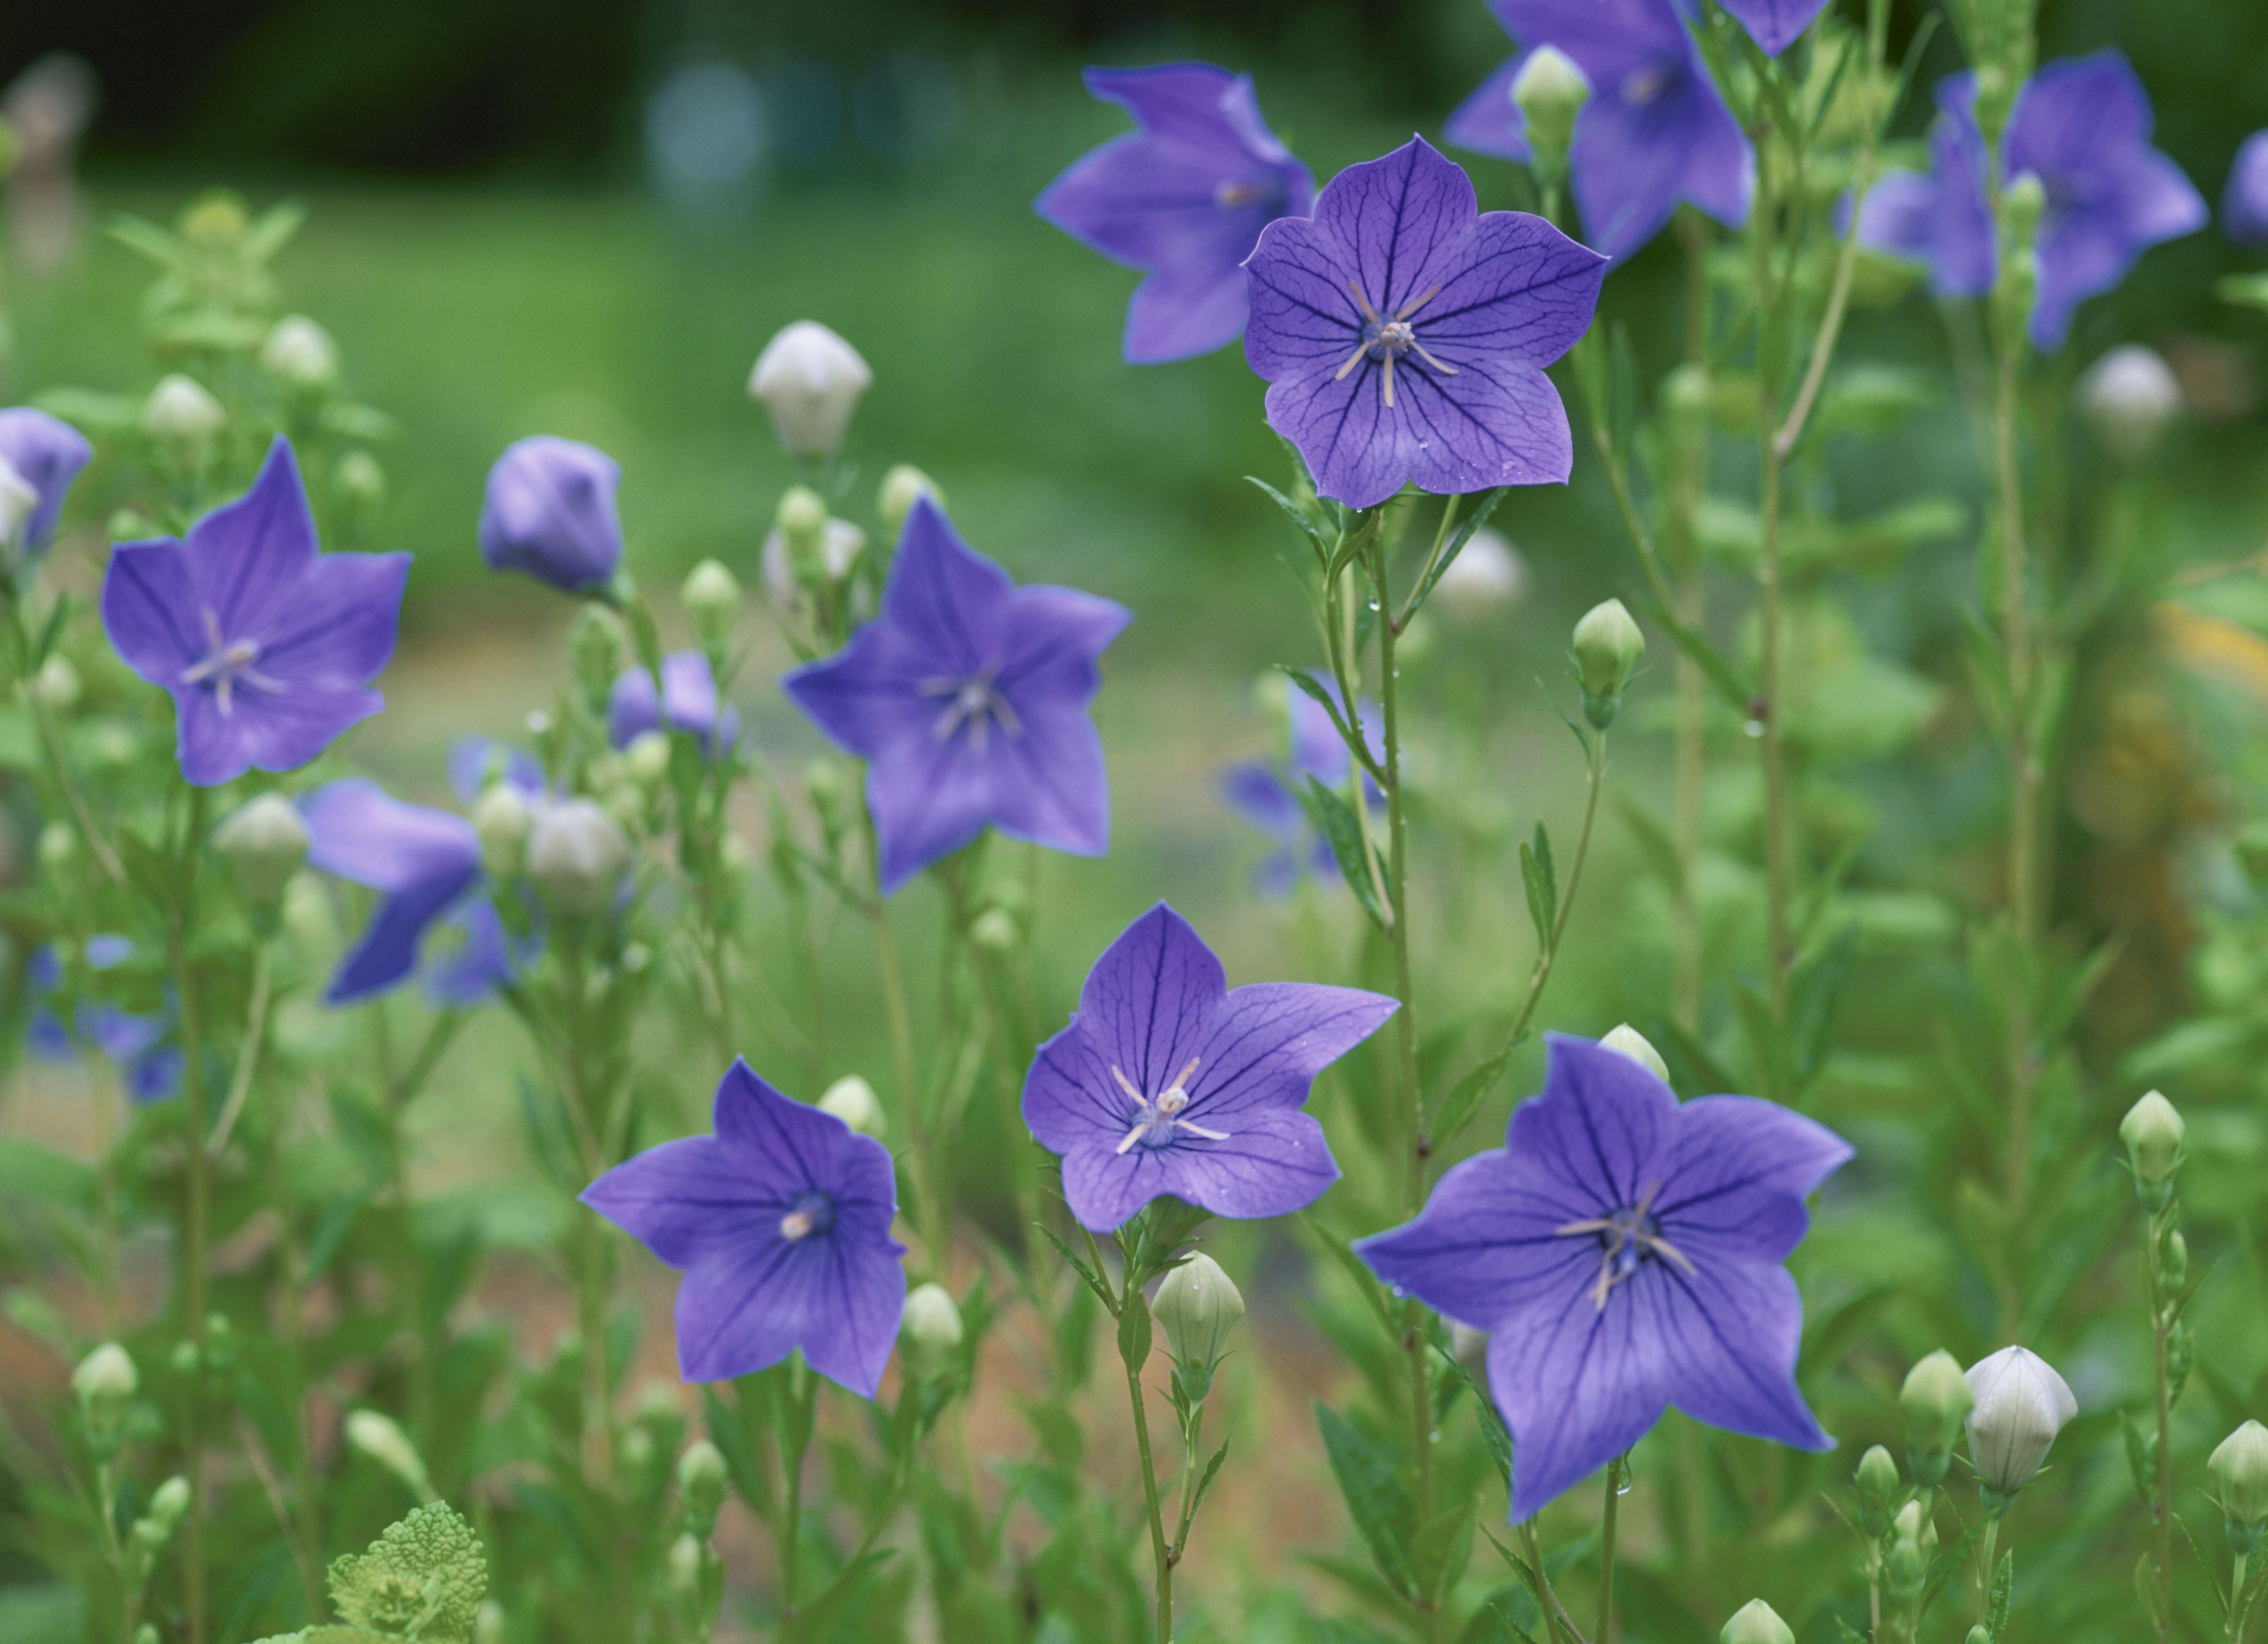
pixel 2162 1507
pixel 1556 1618
pixel 1159 1552
pixel 1765 712
pixel 1688 480
pixel 248 1054
pixel 178 929
pixel 928 1203
pixel 1987 1545
pixel 1594 779
pixel 803 1395
pixel 1607 1551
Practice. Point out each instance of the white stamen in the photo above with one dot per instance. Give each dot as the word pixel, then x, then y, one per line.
pixel 795 1224
pixel 1164 1113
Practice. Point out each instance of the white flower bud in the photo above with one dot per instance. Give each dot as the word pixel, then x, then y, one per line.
pixel 902 486
pixel 105 1380
pixel 2153 1131
pixel 2129 396
pixel 851 1099
pixel 1197 1305
pixel 810 380
pixel 381 1438
pixel 18 502
pixel 577 854
pixel 995 931
pixel 489 1625
pixel 358 481
pixel 701 1475
pixel 1755 1622
pixel 1628 1040
pixel 182 416
pixel 503 818
pixel 58 844
pixel 839 544
pixel 56 684
pixel 2239 1467
pixel 300 355
pixel 266 843
pixel 2022 1404
pixel 1487 575
pixel 929 1337
pixel 1550 91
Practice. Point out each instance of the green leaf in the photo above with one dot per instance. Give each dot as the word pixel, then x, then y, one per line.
pixel 1204 1481
pixel 1996 1597
pixel 1320 694
pixel 1374 1497
pixel 1101 1293
pixel 1457 546
pixel 423 1578
pixel 1465 1097
pixel 1767 1042
pixel 1542 904
pixel 1691 1064
pixel 28 1170
pixel 1365 1282
pixel 1654 843
pixel 1296 514
pixel 728 1430
pixel 1134 1331
pixel 1441 1549
pixel 1714 668
pixel 1335 821
pixel 1813 993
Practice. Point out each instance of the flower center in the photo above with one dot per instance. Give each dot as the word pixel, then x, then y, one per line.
pixel 975 703
pixel 1230 194
pixel 1627 1237
pixel 1649 80
pixel 225 663
pixel 810 1214
pixel 1157 1118
pixel 1387 341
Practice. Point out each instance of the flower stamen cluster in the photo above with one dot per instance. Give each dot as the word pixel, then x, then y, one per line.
pixel 1387 341
pixel 1626 1237
pixel 224 663
pixel 1155 1123
pixel 974 702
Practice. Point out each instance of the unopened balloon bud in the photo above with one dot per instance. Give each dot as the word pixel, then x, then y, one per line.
pixel 1755 1622
pixel 1198 1305
pixel 2129 396
pixel 2153 1131
pixel 2022 1404
pixel 1876 1483
pixel 1607 646
pixel 930 1337
pixel 266 843
pixel 380 1439
pixel 503 818
pixel 56 686
pixel 1628 1040
pixel 169 1502
pixel 105 1382
pixel 2239 1467
pixel 994 932
pixel 576 854
pixel 182 418
pixel 1935 1400
pixel 903 486
pixel 810 380
pixel 801 519
pixel 701 1475
pixel 2023 201
pixel 645 762
pixel 852 1100
pixel 300 355
pixel 711 598
pixel 1550 91
pixel 598 647
pixel 359 482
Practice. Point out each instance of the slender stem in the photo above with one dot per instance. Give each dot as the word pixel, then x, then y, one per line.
pixel 1766 709
pixel 2023 764
pixel 1607 1551
pixel 248 1054
pixel 803 1395
pixel 1159 1552
pixel 2160 1332
pixel 1874 1592
pixel 1555 1613
pixel 1987 1546
pixel 52 748
pixel 1594 777
pixel 179 927
pixel 1830 325
pixel 1432 558
pixel 1191 1443
pixel 1688 479
pixel 929 1205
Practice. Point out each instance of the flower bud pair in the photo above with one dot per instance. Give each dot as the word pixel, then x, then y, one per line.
pixel 1199 1305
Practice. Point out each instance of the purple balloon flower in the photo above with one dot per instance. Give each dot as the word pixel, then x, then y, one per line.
pixel 1775 25
pixel 781 1223
pixel 1404 335
pixel 1166 1082
pixel 267 646
pixel 2082 127
pixel 967 698
pixel 425 865
pixel 689 689
pixel 550 512
pixel 1183 199
pixel 1623 1250
pixel 1268 796
pixel 46 454
pixel 142 1048
pixel 1655 132
pixel 2244 205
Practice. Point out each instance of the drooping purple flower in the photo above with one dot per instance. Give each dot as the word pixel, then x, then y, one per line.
pixel 1623 1250
pixel 1166 1082
pixel 1267 794
pixel 550 513
pixel 46 454
pixel 1182 198
pixel 781 1224
pixel 268 646
pixel 141 1047
pixel 967 698
pixel 1775 25
pixel 425 865
pixel 1655 130
pixel 689 690
pixel 2244 203
pixel 1404 335
pixel 2082 127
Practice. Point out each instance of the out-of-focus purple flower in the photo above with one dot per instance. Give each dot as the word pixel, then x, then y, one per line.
pixel 1775 25
pixel 268 646
pixel 2244 203
pixel 475 762
pixel 425 865
pixel 46 454
pixel 688 689
pixel 1182 198
pixel 550 513
pixel 141 1048
pixel 1167 1082
pixel 781 1224
pixel 1404 335
pixel 1267 794
pixel 1624 1251
pixel 1655 130
pixel 2082 127
pixel 967 698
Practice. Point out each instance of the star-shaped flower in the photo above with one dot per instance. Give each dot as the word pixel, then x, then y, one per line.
pixel 1404 335
pixel 141 1047
pixel 1267 795
pixel 425 865
pixel 781 1223
pixel 267 646
pixel 967 698
pixel 1166 1082
pixel 45 454
pixel 1655 132
pixel 689 692
pixel 1181 198
pixel 1624 1251
pixel 2082 127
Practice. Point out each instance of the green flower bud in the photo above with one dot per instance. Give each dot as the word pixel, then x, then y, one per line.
pixel 2024 200
pixel 645 762
pixel 600 649
pixel 1977 1634
pixel 576 854
pixel 686 1557
pixel 503 818
pixel 1906 1566
pixel 381 1438
pixel 929 1338
pixel 2174 1259
pixel 1995 95
pixel 181 416
pixel 2014 294
pixel 801 522
pixel 1876 1483
pixel 56 684
pixel 300 355
pixel 2239 1467
pixel 1550 91
pixel 58 844
pixel 359 482
pixel 1607 645
pixel 215 221
pixel 710 595
pixel 902 486
pixel 489 1626
pixel 147 1633
pixel 169 1501
pixel 701 1475
pixel 105 1382
pixel 995 931
pixel 266 843
pixel 1936 1399
pixel 1685 395
pixel 2152 1131
pixel 1198 1305
pixel 1755 1622
pixel 1628 1040
pixel 851 1099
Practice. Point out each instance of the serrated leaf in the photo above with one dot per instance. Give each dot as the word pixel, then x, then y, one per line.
pixel 1374 1497
pixel 2141 1458
pixel 1996 1597
pixel 423 1579
pixel 1335 821
pixel 1101 1293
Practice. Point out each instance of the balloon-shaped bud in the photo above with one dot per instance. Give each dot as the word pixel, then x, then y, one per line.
pixel 265 842
pixel 902 487
pixel 381 1438
pixel 1935 1400
pixel 2239 1467
pixel 576 855
pixel 1197 1305
pixel 550 514
pixel 1755 1622
pixel 2022 1404
pixel 503 818
pixel 701 1475
pixel 852 1100
pixel 2153 1131
pixel 105 1382
pixel 930 1334
pixel 1628 1040
pixel 810 380
pixel 1550 91
pixel 181 416
pixel 711 598
pixel 1876 1483
pixel 2130 397
pixel 300 355
pixel 1607 645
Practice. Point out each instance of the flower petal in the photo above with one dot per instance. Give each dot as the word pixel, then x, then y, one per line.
pixel 266 731
pixel 1578 1385
pixel 1268 1041
pixel 1601 1123
pixel 1049 784
pixel 848 1341
pixel 362 834
pixel 338 628
pixel 1728 1333
pixel 1735 1171
pixel 945 591
pixel 247 556
pixel 149 610
pixel 1487 1243
pixel 687 1199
